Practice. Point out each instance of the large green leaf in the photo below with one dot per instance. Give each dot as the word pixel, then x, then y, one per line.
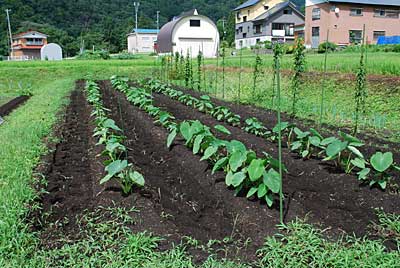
pixel 355 151
pixel 222 129
pixel 220 163
pixel 262 190
pixel 229 178
pixel 137 178
pixel 251 192
pixel 171 138
pixel 109 123
pixel 382 161
pixel 235 145
pixel 335 148
pixel 185 130
pixel 236 160
pixel 269 198
pixel 256 169
pixel 272 180
pixel 197 143
pixel 113 169
pixel 238 178
pixel 210 151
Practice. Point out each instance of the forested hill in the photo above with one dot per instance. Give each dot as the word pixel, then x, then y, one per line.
pixel 102 23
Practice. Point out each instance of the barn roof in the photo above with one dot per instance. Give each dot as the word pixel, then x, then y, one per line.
pixel 248 3
pixel 164 38
pixel 370 2
pixel 277 8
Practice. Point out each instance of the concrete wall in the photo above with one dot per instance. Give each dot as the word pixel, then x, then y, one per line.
pixel 339 24
pixel 145 43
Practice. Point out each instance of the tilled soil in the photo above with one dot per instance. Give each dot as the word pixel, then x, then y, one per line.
pixel 181 196
pixel 7 108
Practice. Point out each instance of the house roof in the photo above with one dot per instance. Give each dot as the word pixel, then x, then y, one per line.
pixel 278 7
pixel 145 31
pixel 30 34
pixel 248 3
pixel 370 2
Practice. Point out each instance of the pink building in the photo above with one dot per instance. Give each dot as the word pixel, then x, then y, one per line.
pixel 345 20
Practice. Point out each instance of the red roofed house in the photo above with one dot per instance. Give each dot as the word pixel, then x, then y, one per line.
pixel 27 45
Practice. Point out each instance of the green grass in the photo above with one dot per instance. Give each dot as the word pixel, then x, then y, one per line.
pixel 387 63
pixel 105 243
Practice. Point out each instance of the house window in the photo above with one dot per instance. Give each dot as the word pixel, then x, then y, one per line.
pixel 257 29
pixel 355 36
pixel 244 35
pixel 34 41
pixel 266 7
pixel 244 18
pixel 258 40
pixel 194 23
pixel 356 12
pixel 238 15
pixel 240 29
pixel 145 38
pixel 288 27
pixel 386 13
pixel 315 31
pixel 377 34
pixel 287 11
pixel 316 14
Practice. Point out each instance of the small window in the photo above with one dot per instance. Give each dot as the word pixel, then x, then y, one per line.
pixel 316 14
pixel 377 34
pixel 394 14
pixel 356 12
pixel 258 40
pixel 194 23
pixel 287 11
pixel 238 15
pixel 315 31
pixel 244 35
pixel 266 7
pixel 379 13
pixel 257 29
pixel 244 18
pixel 355 36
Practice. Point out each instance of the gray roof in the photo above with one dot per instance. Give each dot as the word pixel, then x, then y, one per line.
pixel 276 9
pixel 371 2
pixel 248 3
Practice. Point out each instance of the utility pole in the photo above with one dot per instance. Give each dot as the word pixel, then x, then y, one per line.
pixel 10 35
pixel 136 4
pixel 158 20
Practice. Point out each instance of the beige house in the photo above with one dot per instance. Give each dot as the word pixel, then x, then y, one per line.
pixel 345 20
pixel 143 41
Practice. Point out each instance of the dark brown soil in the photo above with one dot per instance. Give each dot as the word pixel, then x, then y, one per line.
pixel 181 196
pixel 7 108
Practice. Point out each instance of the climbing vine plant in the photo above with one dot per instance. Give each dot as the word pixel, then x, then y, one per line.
pixel 299 65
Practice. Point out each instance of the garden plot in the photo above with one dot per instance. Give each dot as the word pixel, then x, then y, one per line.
pixel 9 106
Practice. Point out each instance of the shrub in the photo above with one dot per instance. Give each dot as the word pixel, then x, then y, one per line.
pixel 326 46
pixel 94 55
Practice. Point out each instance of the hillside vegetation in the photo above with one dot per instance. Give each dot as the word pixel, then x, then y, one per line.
pixel 100 23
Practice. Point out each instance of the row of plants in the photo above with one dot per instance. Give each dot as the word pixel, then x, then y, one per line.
pixel 343 151
pixel 245 172
pixel 111 137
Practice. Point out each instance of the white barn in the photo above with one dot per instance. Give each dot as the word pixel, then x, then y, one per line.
pixel 143 41
pixel 189 33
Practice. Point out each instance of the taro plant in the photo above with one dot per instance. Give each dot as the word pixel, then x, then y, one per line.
pixel 222 113
pixel 254 126
pixel 307 143
pixel 204 104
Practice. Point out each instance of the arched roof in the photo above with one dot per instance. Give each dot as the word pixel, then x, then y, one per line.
pixel 164 37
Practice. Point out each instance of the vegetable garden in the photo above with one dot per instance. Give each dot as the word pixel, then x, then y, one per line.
pixel 148 173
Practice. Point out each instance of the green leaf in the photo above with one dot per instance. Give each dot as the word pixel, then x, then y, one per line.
pixel 262 190
pixel 272 180
pixel 269 198
pixel 304 153
pixel 235 145
pixel 256 169
pixel 197 143
pixel 316 133
pixel 222 129
pixel 335 148
pixel 351 139
pixel 105 179
pixel 137 178
pixel 171 138
pixel 229 178
pixel 382 184
pixel 236 160
pixel 327 141
pixel 296 145
pixel 210 151
pixel 358 162
pixel 362 175
pixel 316 141
pixel 220 163
pixel 109 123
pixel 381 162
pixel 251 192
pixel 355 151
pixel 185 130
pixel 238 178
pixel 116 167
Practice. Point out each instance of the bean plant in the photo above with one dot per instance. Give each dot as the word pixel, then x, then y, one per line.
pixel 299 63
